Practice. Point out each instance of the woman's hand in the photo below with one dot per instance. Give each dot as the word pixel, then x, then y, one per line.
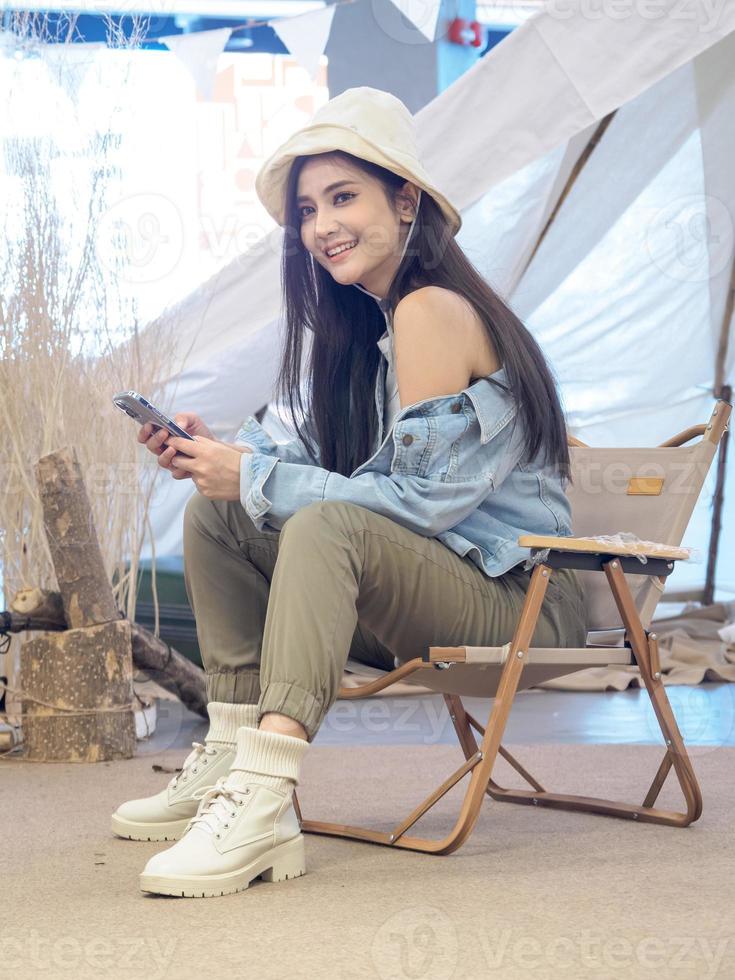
pixel 153 440
pixel 213 466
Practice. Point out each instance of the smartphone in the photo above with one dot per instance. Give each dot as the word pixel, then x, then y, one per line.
pixel 140 409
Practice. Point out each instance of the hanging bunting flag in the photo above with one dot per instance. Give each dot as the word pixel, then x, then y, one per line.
pixel 306 36
pixel 200 52
pixel 423 14
pixel 69 64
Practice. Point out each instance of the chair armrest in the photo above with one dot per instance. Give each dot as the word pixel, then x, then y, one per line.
pixel 592 546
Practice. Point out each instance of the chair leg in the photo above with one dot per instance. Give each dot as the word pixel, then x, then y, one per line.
pixel 479 763
pixel 464 723
pixel 645 649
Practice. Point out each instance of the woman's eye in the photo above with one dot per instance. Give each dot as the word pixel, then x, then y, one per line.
pixel 336 198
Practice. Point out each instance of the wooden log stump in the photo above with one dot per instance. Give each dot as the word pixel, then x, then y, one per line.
pixel 85 590
pixel 42 609
pixel 80 682
pixel 88 667
pixel 37 609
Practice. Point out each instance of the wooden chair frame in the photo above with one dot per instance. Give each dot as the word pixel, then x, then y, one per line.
pixel 640 647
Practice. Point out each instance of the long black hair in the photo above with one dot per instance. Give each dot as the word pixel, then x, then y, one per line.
pixel 346 324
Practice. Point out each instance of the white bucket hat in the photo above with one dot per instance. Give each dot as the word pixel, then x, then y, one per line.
pixel 368 123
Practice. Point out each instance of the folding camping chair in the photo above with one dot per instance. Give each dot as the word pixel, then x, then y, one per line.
pixel 649 492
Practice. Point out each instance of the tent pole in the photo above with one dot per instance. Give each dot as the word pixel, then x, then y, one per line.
pixel 576 171
pixel 723 391
pixel 709 586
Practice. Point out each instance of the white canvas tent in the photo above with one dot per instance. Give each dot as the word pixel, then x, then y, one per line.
pixel 626 290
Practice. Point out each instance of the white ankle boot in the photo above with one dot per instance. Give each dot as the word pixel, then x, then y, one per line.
pixel 165 816
pixel 246 825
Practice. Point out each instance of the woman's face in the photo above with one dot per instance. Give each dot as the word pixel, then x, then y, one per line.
pixel 356 213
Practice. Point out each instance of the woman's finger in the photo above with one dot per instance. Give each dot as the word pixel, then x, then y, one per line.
pixel 165 457
pixel 155 443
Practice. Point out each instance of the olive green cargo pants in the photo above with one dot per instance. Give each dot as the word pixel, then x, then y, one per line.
pixel 279 612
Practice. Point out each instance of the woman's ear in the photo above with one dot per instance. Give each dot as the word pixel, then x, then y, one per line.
pixel 408 201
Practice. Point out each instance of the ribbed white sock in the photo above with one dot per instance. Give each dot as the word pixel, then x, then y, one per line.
pixel 226 718
pixel 268 758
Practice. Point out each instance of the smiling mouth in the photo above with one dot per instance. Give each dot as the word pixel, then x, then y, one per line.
pixel 341 252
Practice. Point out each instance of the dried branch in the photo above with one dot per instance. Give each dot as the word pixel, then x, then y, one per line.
pixel 67 316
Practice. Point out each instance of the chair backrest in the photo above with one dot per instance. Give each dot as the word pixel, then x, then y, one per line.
pixel 649 492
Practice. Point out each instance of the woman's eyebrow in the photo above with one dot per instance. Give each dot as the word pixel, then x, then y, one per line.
pixel 330 187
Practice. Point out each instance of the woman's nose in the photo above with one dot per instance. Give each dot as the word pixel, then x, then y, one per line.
pixel 325 227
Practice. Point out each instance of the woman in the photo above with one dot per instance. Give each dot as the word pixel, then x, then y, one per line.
pixel 433 438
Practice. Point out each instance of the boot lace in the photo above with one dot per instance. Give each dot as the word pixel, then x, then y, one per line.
pixel 218 805
pixel 191 763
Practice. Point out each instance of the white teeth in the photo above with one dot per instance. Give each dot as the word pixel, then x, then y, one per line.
pixel 342 248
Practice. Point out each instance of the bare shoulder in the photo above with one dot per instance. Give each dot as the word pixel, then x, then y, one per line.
pixel 430 352
pixel 453 320
pixel 436 300
pixel 433 313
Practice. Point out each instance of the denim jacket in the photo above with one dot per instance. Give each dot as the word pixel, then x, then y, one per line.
pixel 448 467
